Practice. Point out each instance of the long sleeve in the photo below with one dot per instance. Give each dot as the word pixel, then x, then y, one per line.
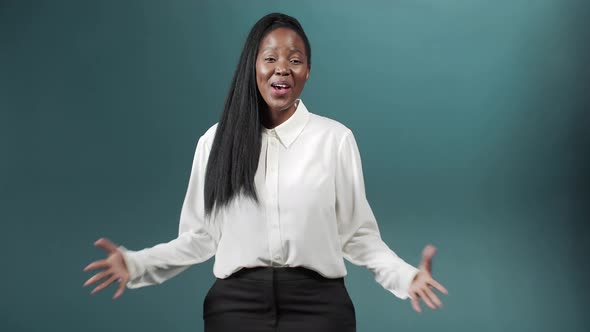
pixel 196 241
pixel 359 234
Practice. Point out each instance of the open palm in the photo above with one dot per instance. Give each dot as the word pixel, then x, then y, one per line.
pixel 114 268
pixel 421 287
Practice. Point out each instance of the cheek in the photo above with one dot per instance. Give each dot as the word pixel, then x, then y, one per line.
pixel 261 73
pixel 301 79
pixel 258 74
pixel 301 76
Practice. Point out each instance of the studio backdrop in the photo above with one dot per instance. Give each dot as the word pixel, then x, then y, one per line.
pixel 471 118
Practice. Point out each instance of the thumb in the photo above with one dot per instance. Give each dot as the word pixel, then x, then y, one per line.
pixel 427 254
pixel 106 244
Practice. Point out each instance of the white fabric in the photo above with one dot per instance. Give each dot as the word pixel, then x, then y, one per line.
pixel 312 213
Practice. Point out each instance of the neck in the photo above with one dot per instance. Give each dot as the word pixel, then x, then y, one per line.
pixel 273 118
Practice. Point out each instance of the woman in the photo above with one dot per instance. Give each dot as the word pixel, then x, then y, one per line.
pixel 276 194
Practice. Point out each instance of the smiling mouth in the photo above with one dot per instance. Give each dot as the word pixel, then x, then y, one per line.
pixel 280 85
pixel 280 88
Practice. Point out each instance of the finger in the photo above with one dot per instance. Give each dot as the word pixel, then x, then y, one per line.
pixel 427 254
pixel 415 303
pixel 97 265
pixel 426 299
pixel 104 284
pixel 106 244
pixel 438 286
pixel 433 297
pixel 96 278
pixel 120 289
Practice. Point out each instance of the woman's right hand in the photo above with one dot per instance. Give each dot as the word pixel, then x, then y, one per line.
pixel 114 266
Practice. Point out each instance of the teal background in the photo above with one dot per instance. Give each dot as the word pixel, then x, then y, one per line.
pixel 471 117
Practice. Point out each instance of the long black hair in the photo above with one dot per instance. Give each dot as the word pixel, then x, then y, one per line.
pixel 234 155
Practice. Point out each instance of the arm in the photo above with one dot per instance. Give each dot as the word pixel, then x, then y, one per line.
pixel 359 234
pixel 196 241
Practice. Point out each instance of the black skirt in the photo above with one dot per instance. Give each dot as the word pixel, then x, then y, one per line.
pixel 278 299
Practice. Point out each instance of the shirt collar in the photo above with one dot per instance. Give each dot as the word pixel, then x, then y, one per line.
pixel 289 130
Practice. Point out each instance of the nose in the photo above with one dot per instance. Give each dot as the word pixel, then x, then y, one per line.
pixel 282 68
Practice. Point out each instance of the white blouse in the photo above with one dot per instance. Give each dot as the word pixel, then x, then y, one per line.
pixel 312 213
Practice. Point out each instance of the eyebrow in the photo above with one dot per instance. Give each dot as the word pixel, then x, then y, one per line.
pixel 292 50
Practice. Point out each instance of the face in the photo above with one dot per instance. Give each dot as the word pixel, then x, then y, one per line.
pixel 281 69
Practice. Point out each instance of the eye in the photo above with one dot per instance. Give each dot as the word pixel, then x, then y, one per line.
pixel 296 61
pixel 269 59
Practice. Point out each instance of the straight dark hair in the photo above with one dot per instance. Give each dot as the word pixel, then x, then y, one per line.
pixel 234 155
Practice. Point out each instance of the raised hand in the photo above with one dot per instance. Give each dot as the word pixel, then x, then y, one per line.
pixel 421 287
pixel 114 268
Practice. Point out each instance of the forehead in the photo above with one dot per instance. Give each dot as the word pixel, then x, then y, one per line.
pixel 282 38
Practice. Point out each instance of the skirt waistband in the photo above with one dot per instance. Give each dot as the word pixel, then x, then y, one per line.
pixel 280 273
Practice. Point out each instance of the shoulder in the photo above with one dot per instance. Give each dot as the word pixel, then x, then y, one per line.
pixel 207 138
pixel 331 128
pixel 329 125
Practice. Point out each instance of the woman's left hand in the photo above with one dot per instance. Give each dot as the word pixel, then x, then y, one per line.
pixel 421 287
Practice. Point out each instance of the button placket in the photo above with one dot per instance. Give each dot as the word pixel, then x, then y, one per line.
pixel 272 207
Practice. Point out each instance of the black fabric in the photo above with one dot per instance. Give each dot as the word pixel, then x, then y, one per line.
pixel 269 299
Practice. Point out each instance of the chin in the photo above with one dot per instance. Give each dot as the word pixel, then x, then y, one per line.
pixel 281 106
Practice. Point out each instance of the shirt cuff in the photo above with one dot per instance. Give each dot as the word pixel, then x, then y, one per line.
pixel 131 262
pixel 407 273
